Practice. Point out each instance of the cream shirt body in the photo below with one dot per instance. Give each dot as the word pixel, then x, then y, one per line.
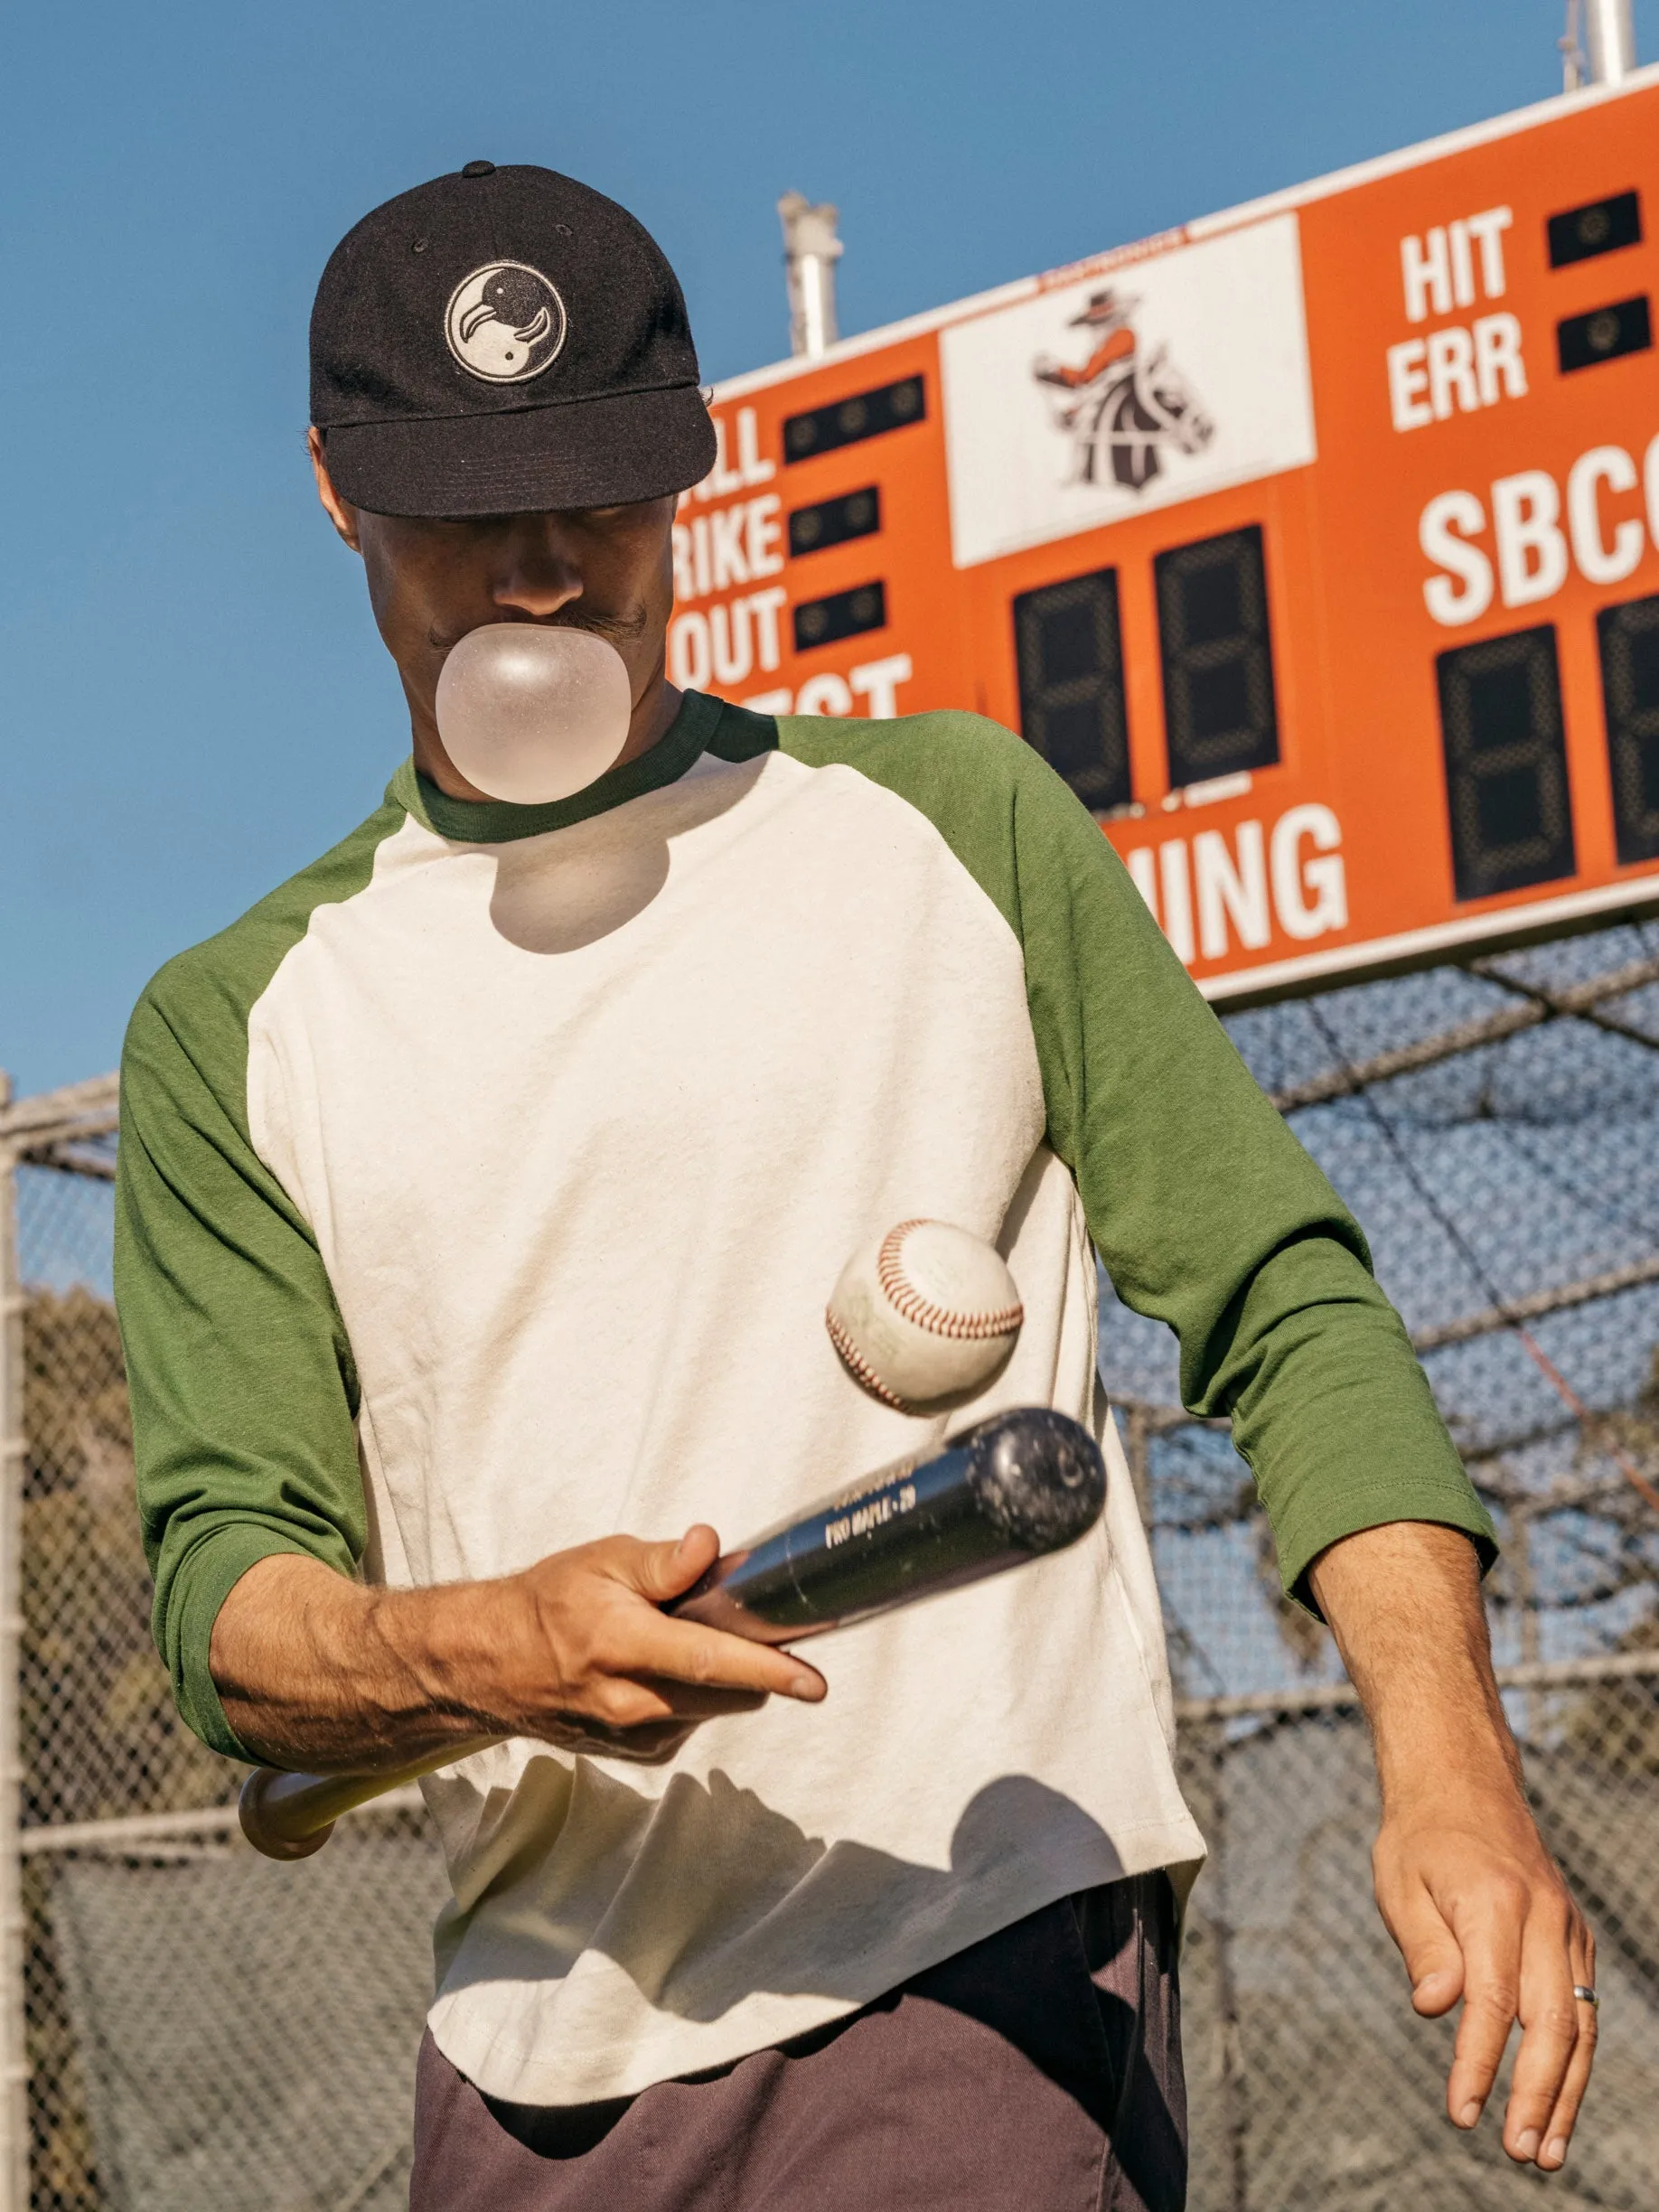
pixel 584 1126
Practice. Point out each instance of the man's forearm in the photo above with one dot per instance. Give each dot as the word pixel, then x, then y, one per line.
pixel 1404 1603
pixel 313 1670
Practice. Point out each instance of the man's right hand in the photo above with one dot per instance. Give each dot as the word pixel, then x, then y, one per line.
pixel 317 1671
pixel 597 1667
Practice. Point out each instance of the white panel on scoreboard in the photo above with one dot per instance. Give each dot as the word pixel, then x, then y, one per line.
pixel 1161 379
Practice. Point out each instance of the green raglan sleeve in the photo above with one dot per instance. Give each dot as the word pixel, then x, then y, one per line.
pixel 1208 1213
pixel 243 1392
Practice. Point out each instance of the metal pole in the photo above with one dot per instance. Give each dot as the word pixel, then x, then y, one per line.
pixel 1518 1554
pixel 14 2032
pixel 1573 63
pixel 1207 1767
pixel 1611 37
pixel 1135 1452
pixel 811 251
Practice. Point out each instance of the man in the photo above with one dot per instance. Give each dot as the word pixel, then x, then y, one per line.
pixel 481 1190
pixel 1108 315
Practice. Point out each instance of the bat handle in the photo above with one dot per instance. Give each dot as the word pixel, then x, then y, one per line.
pixel 291 1815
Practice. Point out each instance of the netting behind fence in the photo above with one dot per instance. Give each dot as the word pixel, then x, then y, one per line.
pixel 210 2032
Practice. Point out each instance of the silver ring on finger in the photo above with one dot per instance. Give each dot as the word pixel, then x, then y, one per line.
pixel 1584 1994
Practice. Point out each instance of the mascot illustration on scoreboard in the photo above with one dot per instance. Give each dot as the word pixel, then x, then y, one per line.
pixel 1121 406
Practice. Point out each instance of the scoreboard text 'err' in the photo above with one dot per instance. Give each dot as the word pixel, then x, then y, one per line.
pixel 1315 544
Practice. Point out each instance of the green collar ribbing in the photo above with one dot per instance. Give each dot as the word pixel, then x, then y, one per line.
pixel 496 821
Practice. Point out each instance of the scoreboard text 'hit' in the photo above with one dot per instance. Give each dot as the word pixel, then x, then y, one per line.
pixel 1317 545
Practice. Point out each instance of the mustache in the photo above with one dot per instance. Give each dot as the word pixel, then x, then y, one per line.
pixel 615 629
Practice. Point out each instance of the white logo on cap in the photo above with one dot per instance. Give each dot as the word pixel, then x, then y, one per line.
pixel 505 322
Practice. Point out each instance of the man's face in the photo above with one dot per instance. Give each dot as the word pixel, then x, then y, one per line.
pixel 608 569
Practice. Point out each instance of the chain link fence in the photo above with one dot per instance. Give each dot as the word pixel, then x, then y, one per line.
pixel 207 2032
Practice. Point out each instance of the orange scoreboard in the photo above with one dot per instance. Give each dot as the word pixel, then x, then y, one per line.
pixel 1316 545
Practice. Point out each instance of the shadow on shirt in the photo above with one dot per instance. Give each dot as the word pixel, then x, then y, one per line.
pixel 706 1896
pixel 567 888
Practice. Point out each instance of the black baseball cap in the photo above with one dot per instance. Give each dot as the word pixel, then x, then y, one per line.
pixel 503 341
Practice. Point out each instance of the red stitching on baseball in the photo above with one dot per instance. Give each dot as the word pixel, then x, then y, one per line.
pixel 859 1366
pixel 906 1300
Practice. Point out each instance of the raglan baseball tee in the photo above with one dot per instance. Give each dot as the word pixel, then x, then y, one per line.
pixel 480 1194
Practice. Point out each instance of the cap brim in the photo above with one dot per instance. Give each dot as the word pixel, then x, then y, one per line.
pixel 584 452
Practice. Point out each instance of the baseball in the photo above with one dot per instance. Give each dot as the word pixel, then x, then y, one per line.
pixel 923 1313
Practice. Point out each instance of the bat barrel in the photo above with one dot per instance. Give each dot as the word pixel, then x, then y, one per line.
pixel 1014 1488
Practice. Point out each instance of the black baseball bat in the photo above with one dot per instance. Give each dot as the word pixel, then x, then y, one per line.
pixel 1011 1488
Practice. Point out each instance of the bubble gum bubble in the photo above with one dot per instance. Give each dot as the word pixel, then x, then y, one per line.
pixel 530 712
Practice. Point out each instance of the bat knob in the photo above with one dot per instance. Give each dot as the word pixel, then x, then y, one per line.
pixel 260 1810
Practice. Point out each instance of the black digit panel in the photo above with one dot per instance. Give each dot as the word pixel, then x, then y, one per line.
pixel 1601 226
pixel 1220 714
pixel 843 614
pixel 847 422
pixel 1628 637
pixel 1604 335
pixel 1069 649
pixel 834 521
pixel 1505 764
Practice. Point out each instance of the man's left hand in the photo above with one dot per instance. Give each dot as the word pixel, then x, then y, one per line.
pixel 1480 1912
pixel 1463 1883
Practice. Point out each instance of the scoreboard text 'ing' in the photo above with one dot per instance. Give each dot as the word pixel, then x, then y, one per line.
pixel 1317 545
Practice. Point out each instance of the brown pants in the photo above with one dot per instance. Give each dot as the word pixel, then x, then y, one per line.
pixel 1038 2071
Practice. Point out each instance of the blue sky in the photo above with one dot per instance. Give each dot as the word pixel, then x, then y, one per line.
pixel 194 701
